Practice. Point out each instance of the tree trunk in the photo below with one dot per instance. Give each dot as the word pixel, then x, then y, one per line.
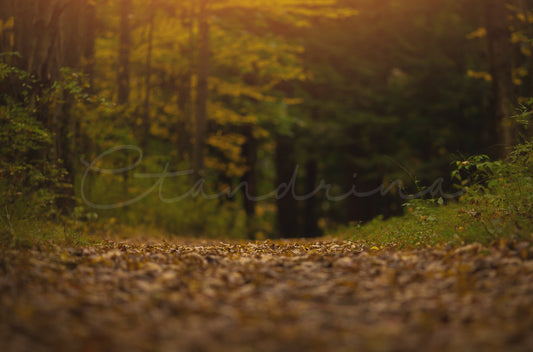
pixel 249 151
pixel 89 32
pixel 287 207
pixel 500 51
pixel 123 77
pixel 311 204
pixel 71 47
pixel 65 137
pixel 185 121
pixel 47 37
pixel 148 74
pixel 528 29
pixel 37 37
pixel 202 88
pixel 7 11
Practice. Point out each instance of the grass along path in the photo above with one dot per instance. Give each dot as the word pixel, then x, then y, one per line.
pixel 313 295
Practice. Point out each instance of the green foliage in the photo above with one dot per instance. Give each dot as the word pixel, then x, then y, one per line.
pixel 30 183
pixel 31 179
pixel 500 194
pixel 173 206
pixel 497 203
pixel 31 233
pixel 26 176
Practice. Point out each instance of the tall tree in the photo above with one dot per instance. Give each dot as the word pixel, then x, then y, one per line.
pixel 148 75
pixel 123 76
pixel 89 33
pixel 311 208
pixel 249 178
pixel 288 213
pixel 37 37
pixel 71 46
pixel 47 38
pixel 501 65
pixel 6 29
pixel 202 87
pixel 184 124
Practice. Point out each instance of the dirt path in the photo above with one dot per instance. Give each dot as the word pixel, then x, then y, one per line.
pixel 267 296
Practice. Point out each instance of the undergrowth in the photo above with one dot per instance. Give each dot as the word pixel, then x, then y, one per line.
pixel 497 204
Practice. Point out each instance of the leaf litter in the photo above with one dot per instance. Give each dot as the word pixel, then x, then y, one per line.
pixel 312 295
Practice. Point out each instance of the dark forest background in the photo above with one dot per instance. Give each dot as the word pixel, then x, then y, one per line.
pixel 254 93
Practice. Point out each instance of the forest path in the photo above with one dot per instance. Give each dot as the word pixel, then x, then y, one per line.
pixel 308 295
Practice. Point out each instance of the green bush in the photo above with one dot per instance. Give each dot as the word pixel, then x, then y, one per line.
pixel 28 181
pixel 499 194
pixel 497 203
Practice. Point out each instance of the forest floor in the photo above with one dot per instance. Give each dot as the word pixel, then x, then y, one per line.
pixel 308 295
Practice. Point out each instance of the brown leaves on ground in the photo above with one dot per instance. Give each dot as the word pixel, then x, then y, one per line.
pixel 266 296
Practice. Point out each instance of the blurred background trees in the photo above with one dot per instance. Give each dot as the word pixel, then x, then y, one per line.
pixel 253 95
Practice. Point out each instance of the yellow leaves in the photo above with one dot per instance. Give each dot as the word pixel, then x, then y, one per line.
pixel 478 33
pixel 518 37
pixel 314 3
pixel 522 17
pixel 295 12
pixel 330 13
pixel 525 51
pixel 260 133
pixel 301 23
pixel 518 74
pixel 225 117
pixel 270 59
pixel 487 77
pixel 159 131
pixel 230 145
pixel 171 109
pixel 228 168
pixel 239 90
pixel 7 25
pixel 347 12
